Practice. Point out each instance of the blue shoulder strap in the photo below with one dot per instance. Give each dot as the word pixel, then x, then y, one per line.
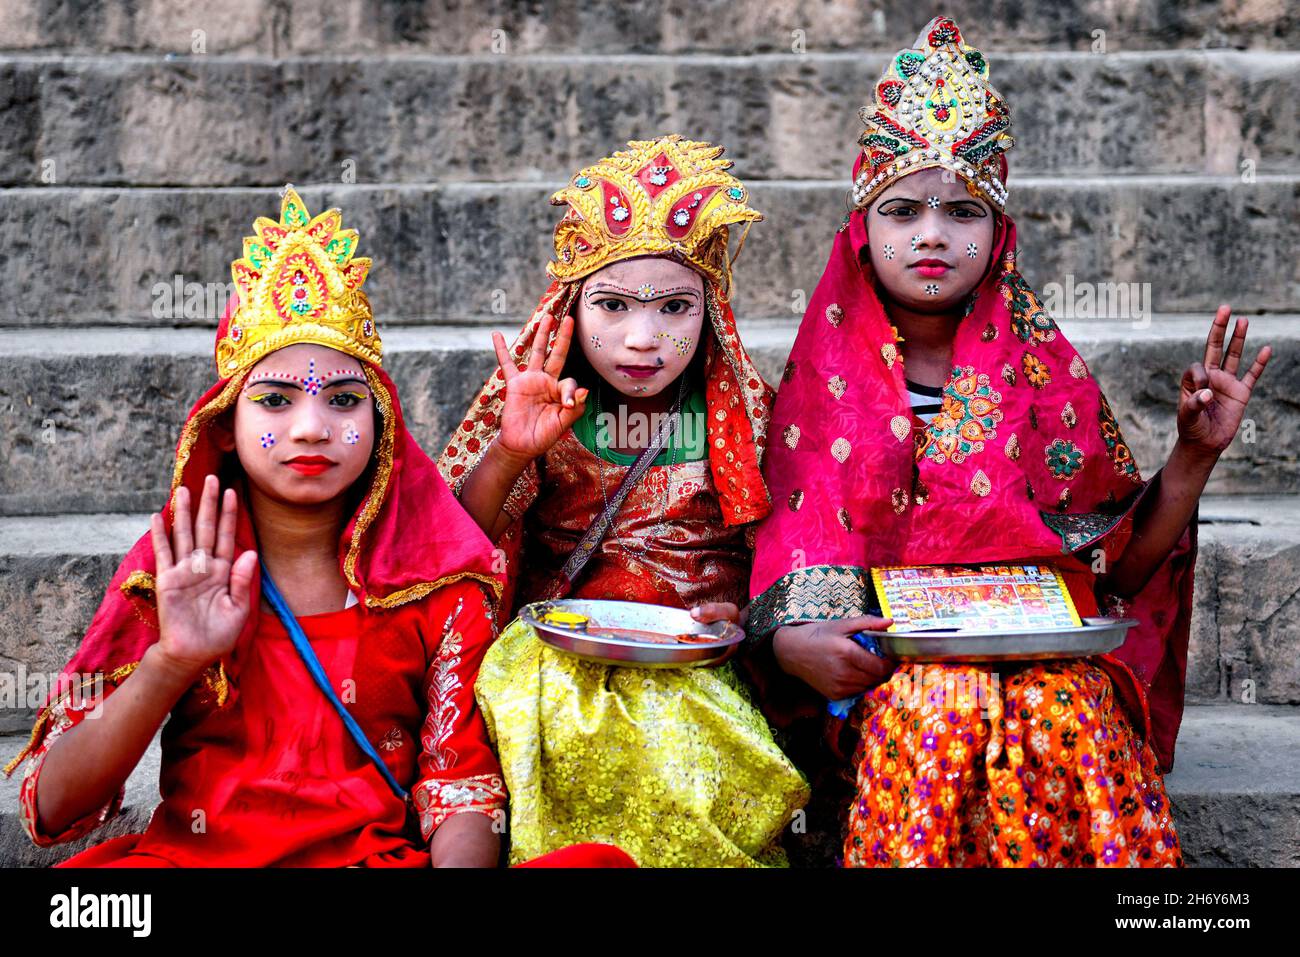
pixel 317 672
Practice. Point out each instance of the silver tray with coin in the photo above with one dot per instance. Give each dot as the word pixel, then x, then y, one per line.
pixel 630 633
pixel 1095 636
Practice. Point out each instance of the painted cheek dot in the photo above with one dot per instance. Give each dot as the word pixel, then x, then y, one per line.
pixel 268 440
pixel 972 250
pixel 888 251
pixel 916 241
pixel 931 289
pixel 351 436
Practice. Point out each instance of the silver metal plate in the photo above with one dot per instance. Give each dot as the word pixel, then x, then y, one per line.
pixel 719 637
pixel 1097 636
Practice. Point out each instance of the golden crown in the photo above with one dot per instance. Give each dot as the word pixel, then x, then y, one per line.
pixel 297 282
pixel 667 196
pixel 934 107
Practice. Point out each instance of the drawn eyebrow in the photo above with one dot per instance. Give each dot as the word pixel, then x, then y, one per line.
pixel 330 383
pixel 619 290
pixel 947 202
pixel 278 382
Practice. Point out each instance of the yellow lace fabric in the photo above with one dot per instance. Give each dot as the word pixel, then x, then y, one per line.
pixel 675 767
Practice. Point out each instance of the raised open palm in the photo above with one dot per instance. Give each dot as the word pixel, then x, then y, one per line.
pixel 203 594
pixel 539 407
pixel 1212 399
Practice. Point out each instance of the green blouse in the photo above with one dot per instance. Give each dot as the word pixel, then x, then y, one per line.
pixel 688 443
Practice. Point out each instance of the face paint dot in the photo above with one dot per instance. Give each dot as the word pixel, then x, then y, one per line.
pixel 645 290
pixel 350 435
pixel 972 250
pixel 268 440
pixel 916 241
pixel 888 251
pixel 595 342
pixel 933 202
pixel 931 289
pixel 313 382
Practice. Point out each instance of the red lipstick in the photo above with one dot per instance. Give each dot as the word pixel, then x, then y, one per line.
pixel 639 372
pixel 931 267
pixel 310 464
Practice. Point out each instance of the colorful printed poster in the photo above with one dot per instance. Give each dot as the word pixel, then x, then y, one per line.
pixel 1008 598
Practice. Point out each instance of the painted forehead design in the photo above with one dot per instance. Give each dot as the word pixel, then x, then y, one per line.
pixel 311 382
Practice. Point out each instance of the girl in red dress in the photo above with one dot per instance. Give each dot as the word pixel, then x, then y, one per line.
pixel 313 632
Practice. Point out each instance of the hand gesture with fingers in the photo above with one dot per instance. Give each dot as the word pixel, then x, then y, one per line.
pixel 1212 399
pixel 203 593
pixel 539 408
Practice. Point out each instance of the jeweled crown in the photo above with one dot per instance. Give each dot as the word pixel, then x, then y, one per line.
pixel 667 196
pixel 297 282
pixel 934 107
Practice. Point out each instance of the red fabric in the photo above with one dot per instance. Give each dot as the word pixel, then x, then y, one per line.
pixel 853 486
pixel 276 780
pixel 120 852
pixel 583 855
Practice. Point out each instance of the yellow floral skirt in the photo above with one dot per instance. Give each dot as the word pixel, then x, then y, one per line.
pixel 1054 775
pixel 676 766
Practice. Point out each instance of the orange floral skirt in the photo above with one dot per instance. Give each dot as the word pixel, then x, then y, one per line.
pixel 1036 766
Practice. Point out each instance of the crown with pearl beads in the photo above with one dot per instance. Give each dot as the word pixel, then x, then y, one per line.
pixel 297 282
pixel 934 107
pixel 662 197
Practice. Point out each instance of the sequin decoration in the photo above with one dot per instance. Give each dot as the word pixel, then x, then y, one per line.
pixel 1012 447
pixel 840 449
pixel 1029 321
pixel 1063 458
pixel 1078 368
pixel 836 386
pixel 795 500
pixel 845 520
pixel 834 315
pixel 898 498
pixel 790 435
pixel 901 427
pixel 1068 417
pixel 967 418
pixel 1036 371
pixel 980 484
pixel 1120 456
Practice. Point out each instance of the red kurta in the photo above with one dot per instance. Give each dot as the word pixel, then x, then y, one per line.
pixel 275 779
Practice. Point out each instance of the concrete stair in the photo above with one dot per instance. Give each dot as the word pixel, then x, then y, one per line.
pixel 138 140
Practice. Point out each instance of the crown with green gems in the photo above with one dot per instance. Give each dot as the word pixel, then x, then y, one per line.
pixel 297 282
pixel 934 107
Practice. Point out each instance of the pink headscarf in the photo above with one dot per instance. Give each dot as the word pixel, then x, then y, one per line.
pixel 1024 463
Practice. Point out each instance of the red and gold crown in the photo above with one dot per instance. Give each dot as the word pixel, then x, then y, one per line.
pixel 668 196
pixel 934 107
pixel 297 282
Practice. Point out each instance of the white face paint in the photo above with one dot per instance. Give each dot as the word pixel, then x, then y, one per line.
pixel 940 270
pixel 639 322
pixel 293 404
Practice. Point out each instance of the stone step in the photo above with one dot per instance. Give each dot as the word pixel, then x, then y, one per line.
pixel 305 27
pixel 109 403
pixel 137 120
pixel 96 256
pixel 1245 641
pixel 1235 792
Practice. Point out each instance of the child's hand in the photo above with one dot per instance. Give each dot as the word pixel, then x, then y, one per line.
pixel 203 599
pixel 1212 399
pixel 538 408
pixel 826 659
